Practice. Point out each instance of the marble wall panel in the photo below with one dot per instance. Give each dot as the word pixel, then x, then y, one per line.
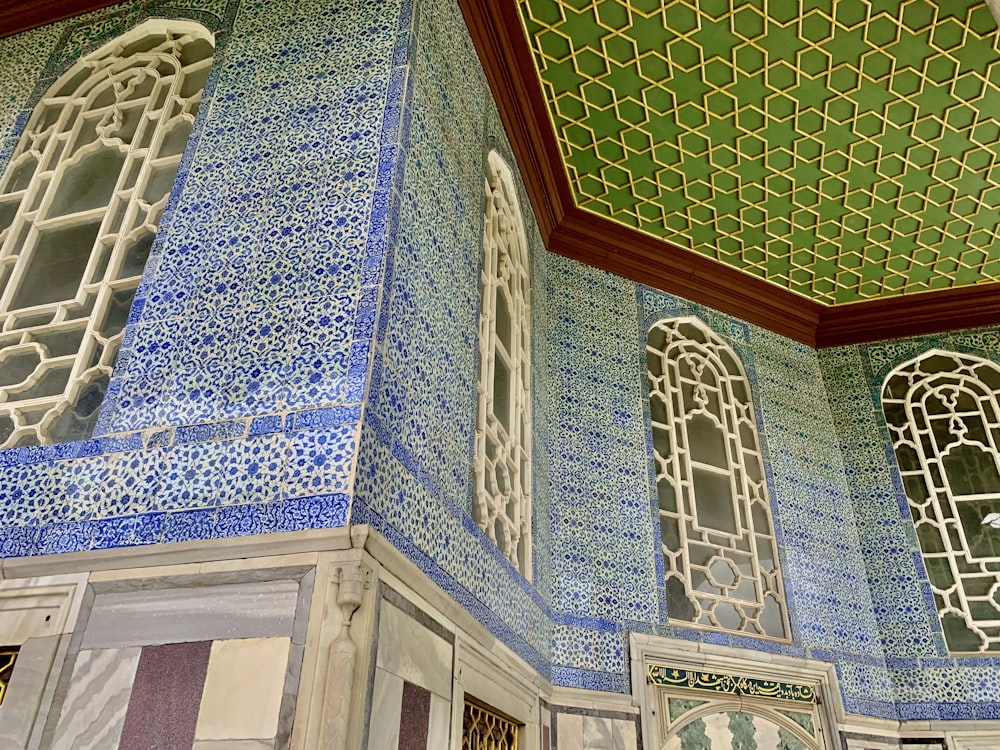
pixel 93 713
pixel 241 610
pixel 243 689
pixel 568 732
pixel 166 694
pixel 582 729
pixel 411 651
pixel 387 702
pixel 22 709
pixel 439 723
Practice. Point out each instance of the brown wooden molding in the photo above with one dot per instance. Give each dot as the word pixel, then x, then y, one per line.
pixel 910 315
pixel 639 257
pixel 503 50
pixel 18 15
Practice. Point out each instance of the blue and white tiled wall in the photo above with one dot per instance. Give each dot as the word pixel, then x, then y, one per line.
pixel 236 400
pixel 414 480
pixel 306 332
pixel 928 684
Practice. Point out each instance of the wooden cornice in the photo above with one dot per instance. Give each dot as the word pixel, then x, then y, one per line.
pixel 910 315
pixel 20 15
pixel 504 52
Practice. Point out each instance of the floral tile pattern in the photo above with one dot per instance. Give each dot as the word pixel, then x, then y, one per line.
pixel 303 353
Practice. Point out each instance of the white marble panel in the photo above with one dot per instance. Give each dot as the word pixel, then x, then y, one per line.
pixel 439 725
pixel 387 702
pixel 569 731
pixel 234 745
pixel 596 733
pixel 180 615
pixel 409 650
pixel 20 711
pixel 243 689
pixel 94 710
pixel 623 735
pixel 36 607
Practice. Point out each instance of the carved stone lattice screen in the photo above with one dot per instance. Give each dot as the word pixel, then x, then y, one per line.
pixel 720 555
pixel 943 414
pixel 79 206
pixel 502 503
pixel 483 729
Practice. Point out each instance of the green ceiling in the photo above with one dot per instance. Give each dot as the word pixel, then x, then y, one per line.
pixel 849 150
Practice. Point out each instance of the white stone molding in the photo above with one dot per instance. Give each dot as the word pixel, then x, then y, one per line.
pixel 720 555
pixel 79 207
pixel 943 414
pixel 649 650
pixel 348 582
pixel 500 680
pixel 501 504
pixel 981 739
pixel 37 614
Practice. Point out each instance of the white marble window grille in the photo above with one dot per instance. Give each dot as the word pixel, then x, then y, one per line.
pixel 718 543
pixel 943 414
pixel 502 500
pixel 79 206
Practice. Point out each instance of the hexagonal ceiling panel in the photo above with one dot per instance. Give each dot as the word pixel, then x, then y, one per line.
pixel 851 152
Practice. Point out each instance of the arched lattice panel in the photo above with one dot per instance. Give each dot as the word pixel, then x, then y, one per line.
pixel 502 503
pixel 79 207
pixel 719 548
pixel 943 414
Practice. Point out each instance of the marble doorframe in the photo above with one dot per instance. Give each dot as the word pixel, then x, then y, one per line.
pixel 38 614
pixel 647 650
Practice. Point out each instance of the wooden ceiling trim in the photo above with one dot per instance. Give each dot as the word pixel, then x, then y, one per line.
pixel 910 315
pixel 636 256
pixel 17 16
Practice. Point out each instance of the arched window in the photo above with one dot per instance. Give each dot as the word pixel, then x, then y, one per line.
pixel 720 555
pixel 79 206
pixel 943 414
pixel 502 502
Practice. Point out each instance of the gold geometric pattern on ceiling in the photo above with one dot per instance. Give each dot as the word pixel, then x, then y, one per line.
pixel 846 152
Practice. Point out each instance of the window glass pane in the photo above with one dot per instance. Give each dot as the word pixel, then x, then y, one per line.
pixel 503 319
pixel 88 184
pixel 501 392
pixel 714 500
pixel 56 264
pixel 706 441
